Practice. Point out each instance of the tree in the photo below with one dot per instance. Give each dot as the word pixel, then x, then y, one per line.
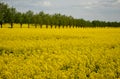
pixel 3 11
pixel 66 21
pixel 70 21
pixel 35 20
pixel 95 23
pixel 19 18
pixel 55 16
pixel 11 17
pixel 59 20
pixel 63 20
pixel 29 16
pixel 51 21
pixel 82 22
pixel 47 20
pixel 88 24
pixel 41 18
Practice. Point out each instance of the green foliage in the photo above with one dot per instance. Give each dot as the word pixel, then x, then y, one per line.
pixel 10 15
pixel 3 13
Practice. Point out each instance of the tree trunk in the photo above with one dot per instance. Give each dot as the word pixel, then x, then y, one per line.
pixel 46 26
pixel 66 26
pixel 51 25
pixel 76 26
pixel 73 26
pixel 59 25
pixel 20 25
pixel 35 25
pixel 63 26
pixel 55 26
pixel 1 25
pixel 11 25
pixel 40 25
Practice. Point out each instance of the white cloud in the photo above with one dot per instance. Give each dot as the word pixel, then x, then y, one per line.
pixel 101 4
pixel 89 5
pixel 118 1
pixel 47 4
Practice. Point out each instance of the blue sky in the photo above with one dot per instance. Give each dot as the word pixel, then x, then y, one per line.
pixel 106 10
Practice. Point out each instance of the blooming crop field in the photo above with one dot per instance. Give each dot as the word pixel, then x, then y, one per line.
pixel 65 53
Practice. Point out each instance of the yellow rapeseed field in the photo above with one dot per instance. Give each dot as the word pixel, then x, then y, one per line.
pixel 65 53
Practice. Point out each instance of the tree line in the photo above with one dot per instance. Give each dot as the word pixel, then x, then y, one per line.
pixel 11 16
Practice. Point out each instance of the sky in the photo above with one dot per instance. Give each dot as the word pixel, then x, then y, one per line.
pixel 104 10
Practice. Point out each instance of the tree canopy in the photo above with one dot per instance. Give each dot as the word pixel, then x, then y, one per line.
pixel 10 15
